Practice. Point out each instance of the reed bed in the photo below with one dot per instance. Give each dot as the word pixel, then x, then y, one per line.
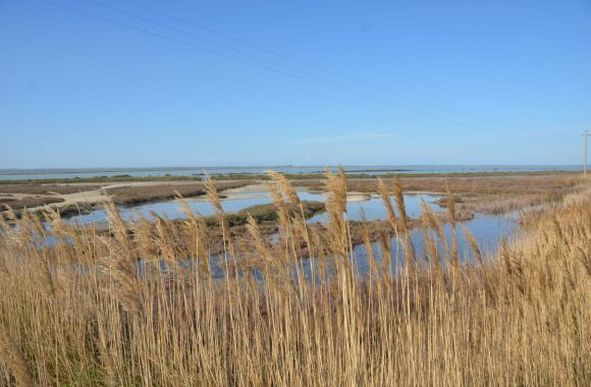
pixel 141 304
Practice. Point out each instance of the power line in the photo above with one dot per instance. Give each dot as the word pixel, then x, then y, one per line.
pixel 274 52
pixel 311 65
pixel 348 89
pixel 200 48
pixel 223 46
pixel 265 65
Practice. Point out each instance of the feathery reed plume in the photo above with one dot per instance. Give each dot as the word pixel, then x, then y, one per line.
pixel 473 244
pixel 118 227
pixel 142 231
pixel 214 198
pixel 451 203
pixel 122 262
pixel 521 318
pixel 196 228
pixel 281 208
pixel 385 194
pixel 336 188
pixel 288 189
pixel 409 253
pixel 259 242
pixel 13 357
pixel 451 210
pixel 336 207
pixel 399 194
pixel 165 240
pixel 26 233
pixel 297 225
pixel 54 218
pixel 430 220
pixel 124 272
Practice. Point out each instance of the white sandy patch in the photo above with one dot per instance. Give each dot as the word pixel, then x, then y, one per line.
pixel 246 188
pixel 358 197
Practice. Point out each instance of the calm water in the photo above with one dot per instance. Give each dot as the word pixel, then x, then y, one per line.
pixel 487 229
pixel 172 209
pixel 25 174
pixel 374 209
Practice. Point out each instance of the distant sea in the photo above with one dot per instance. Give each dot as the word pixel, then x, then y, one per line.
pixel 31 174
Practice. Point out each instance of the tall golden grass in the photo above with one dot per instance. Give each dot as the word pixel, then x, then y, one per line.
pixel 141 305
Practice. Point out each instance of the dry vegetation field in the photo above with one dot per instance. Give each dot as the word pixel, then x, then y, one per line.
pixel 488 193
pixel 141 305
pixel 485 193
pixel 71 198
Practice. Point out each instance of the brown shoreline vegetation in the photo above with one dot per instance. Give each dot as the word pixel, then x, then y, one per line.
pixel 36 197
pixel 130 196
pixel 482 193
pixel 493 193
pixel 128 308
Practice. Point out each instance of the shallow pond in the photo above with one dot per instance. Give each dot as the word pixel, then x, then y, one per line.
pixel 374 209
pixel 172 209
pixel 241 199
pixel 488 230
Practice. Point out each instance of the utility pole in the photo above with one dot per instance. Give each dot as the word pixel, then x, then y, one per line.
pixel 586 136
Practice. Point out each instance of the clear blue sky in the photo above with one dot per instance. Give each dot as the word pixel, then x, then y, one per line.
pixel 267 82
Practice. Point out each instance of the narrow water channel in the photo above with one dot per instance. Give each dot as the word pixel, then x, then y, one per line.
pixel 487 229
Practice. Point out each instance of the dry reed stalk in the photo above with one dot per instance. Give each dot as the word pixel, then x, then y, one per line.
pixel 409 254
pixel 196 232
pixel 215 200
pixel 259 242
pixel 473 244
pixel 9 215
pixel 288 189
pixel 523 318
pixel 431 250
pixel 386 254
pixel 451 209
pixel 277 196
pixel 298 222
pixel 371 257
pixel 4 226
pixel 336 208
pixel 430 220
pixel 14 358
pixel 121 263
pixel 385 194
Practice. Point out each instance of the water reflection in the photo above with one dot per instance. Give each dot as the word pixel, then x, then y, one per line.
pixel 238 200
pixel 172 209
pixel 373 207
pixel 488 230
